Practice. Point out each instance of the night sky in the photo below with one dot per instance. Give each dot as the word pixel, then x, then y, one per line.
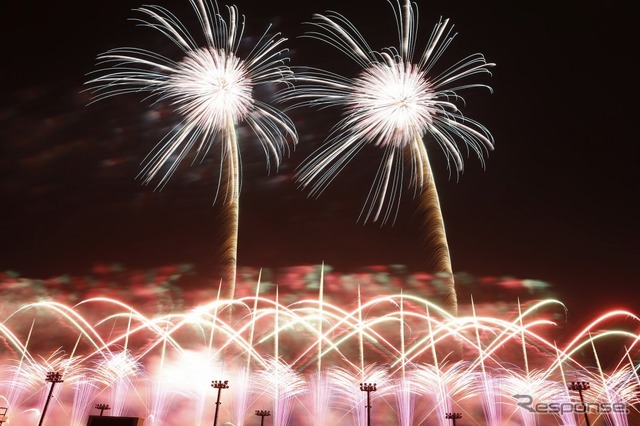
pixel 557 201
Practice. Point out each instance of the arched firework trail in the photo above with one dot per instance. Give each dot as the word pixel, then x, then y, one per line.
pixel 212 88
pixel 393 103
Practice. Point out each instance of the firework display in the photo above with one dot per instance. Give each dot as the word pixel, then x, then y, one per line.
pixel 306 361
pixel 394 103
pixel 296 344
pixel 212 88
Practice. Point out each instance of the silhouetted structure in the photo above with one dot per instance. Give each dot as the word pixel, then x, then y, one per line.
pixel 114 421
pixel 453 417
pixel 581 386
pixel 53 377
pixel 102 407
pixel 218 384
pixel 368 388
pixel 263 414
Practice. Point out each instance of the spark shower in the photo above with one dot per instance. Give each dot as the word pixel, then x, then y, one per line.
pixel 304 362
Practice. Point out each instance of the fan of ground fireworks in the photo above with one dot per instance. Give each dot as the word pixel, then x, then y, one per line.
pixel 212 88
pixel 394 102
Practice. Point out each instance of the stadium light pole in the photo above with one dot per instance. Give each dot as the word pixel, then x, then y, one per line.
pixel 102 407
pixel 218 384
pixel 368 388
pixel 453 417
pixel 581 386
pixel 53 377
pixel 263 414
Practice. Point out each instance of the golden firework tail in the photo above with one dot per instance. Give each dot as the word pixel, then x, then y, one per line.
pixel 231 213
pixel 435 235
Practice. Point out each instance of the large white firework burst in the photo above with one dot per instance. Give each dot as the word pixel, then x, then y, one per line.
pixel 394 102
pixel 211 87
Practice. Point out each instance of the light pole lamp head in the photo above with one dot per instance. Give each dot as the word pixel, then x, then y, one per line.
pixel 219 384
pixel 453 416
pixel 263 413
pixel 368 387
pixel 579 386
pixel 54 377
pixel 103 407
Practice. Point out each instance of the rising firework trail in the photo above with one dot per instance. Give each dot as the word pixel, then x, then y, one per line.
pixel 394 102
pixel 211 87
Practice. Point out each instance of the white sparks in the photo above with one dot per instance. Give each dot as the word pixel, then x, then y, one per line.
pixel 394 103
pixel 389 102
pixel 211 87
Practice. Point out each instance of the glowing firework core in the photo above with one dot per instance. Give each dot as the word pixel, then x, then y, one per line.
pixel 212 87
pixel 394 102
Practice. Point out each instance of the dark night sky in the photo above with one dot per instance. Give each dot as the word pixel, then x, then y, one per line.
pixel 557 201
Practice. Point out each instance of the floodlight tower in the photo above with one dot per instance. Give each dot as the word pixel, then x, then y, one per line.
pixel 102 407
pixel 368 388
pixel 218 384
pixel 53 377
pixel 453 417
pixel 263 414
pixel 581 386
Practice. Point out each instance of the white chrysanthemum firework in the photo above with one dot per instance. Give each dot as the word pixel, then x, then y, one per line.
pixel 394 102
pixel 212 88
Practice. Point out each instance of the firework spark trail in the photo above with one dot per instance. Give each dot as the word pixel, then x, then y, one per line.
pixel 434 229
pixel 26 379
pixel 160 393
pixel 118 372
pixel 567 418
pixel 488 390
pixel 242 382
pixel 441 384
pixel 348 397
pixel 616 388
pixel 575 345
pixel 405 400
pixel 460 386
pixel 212 88
pixel 488 385
pixel 284 385
pixel 84 392
pixel 320 388
pixel 240 392
pixel 622 388
pixel 393 103
pixel 16 389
